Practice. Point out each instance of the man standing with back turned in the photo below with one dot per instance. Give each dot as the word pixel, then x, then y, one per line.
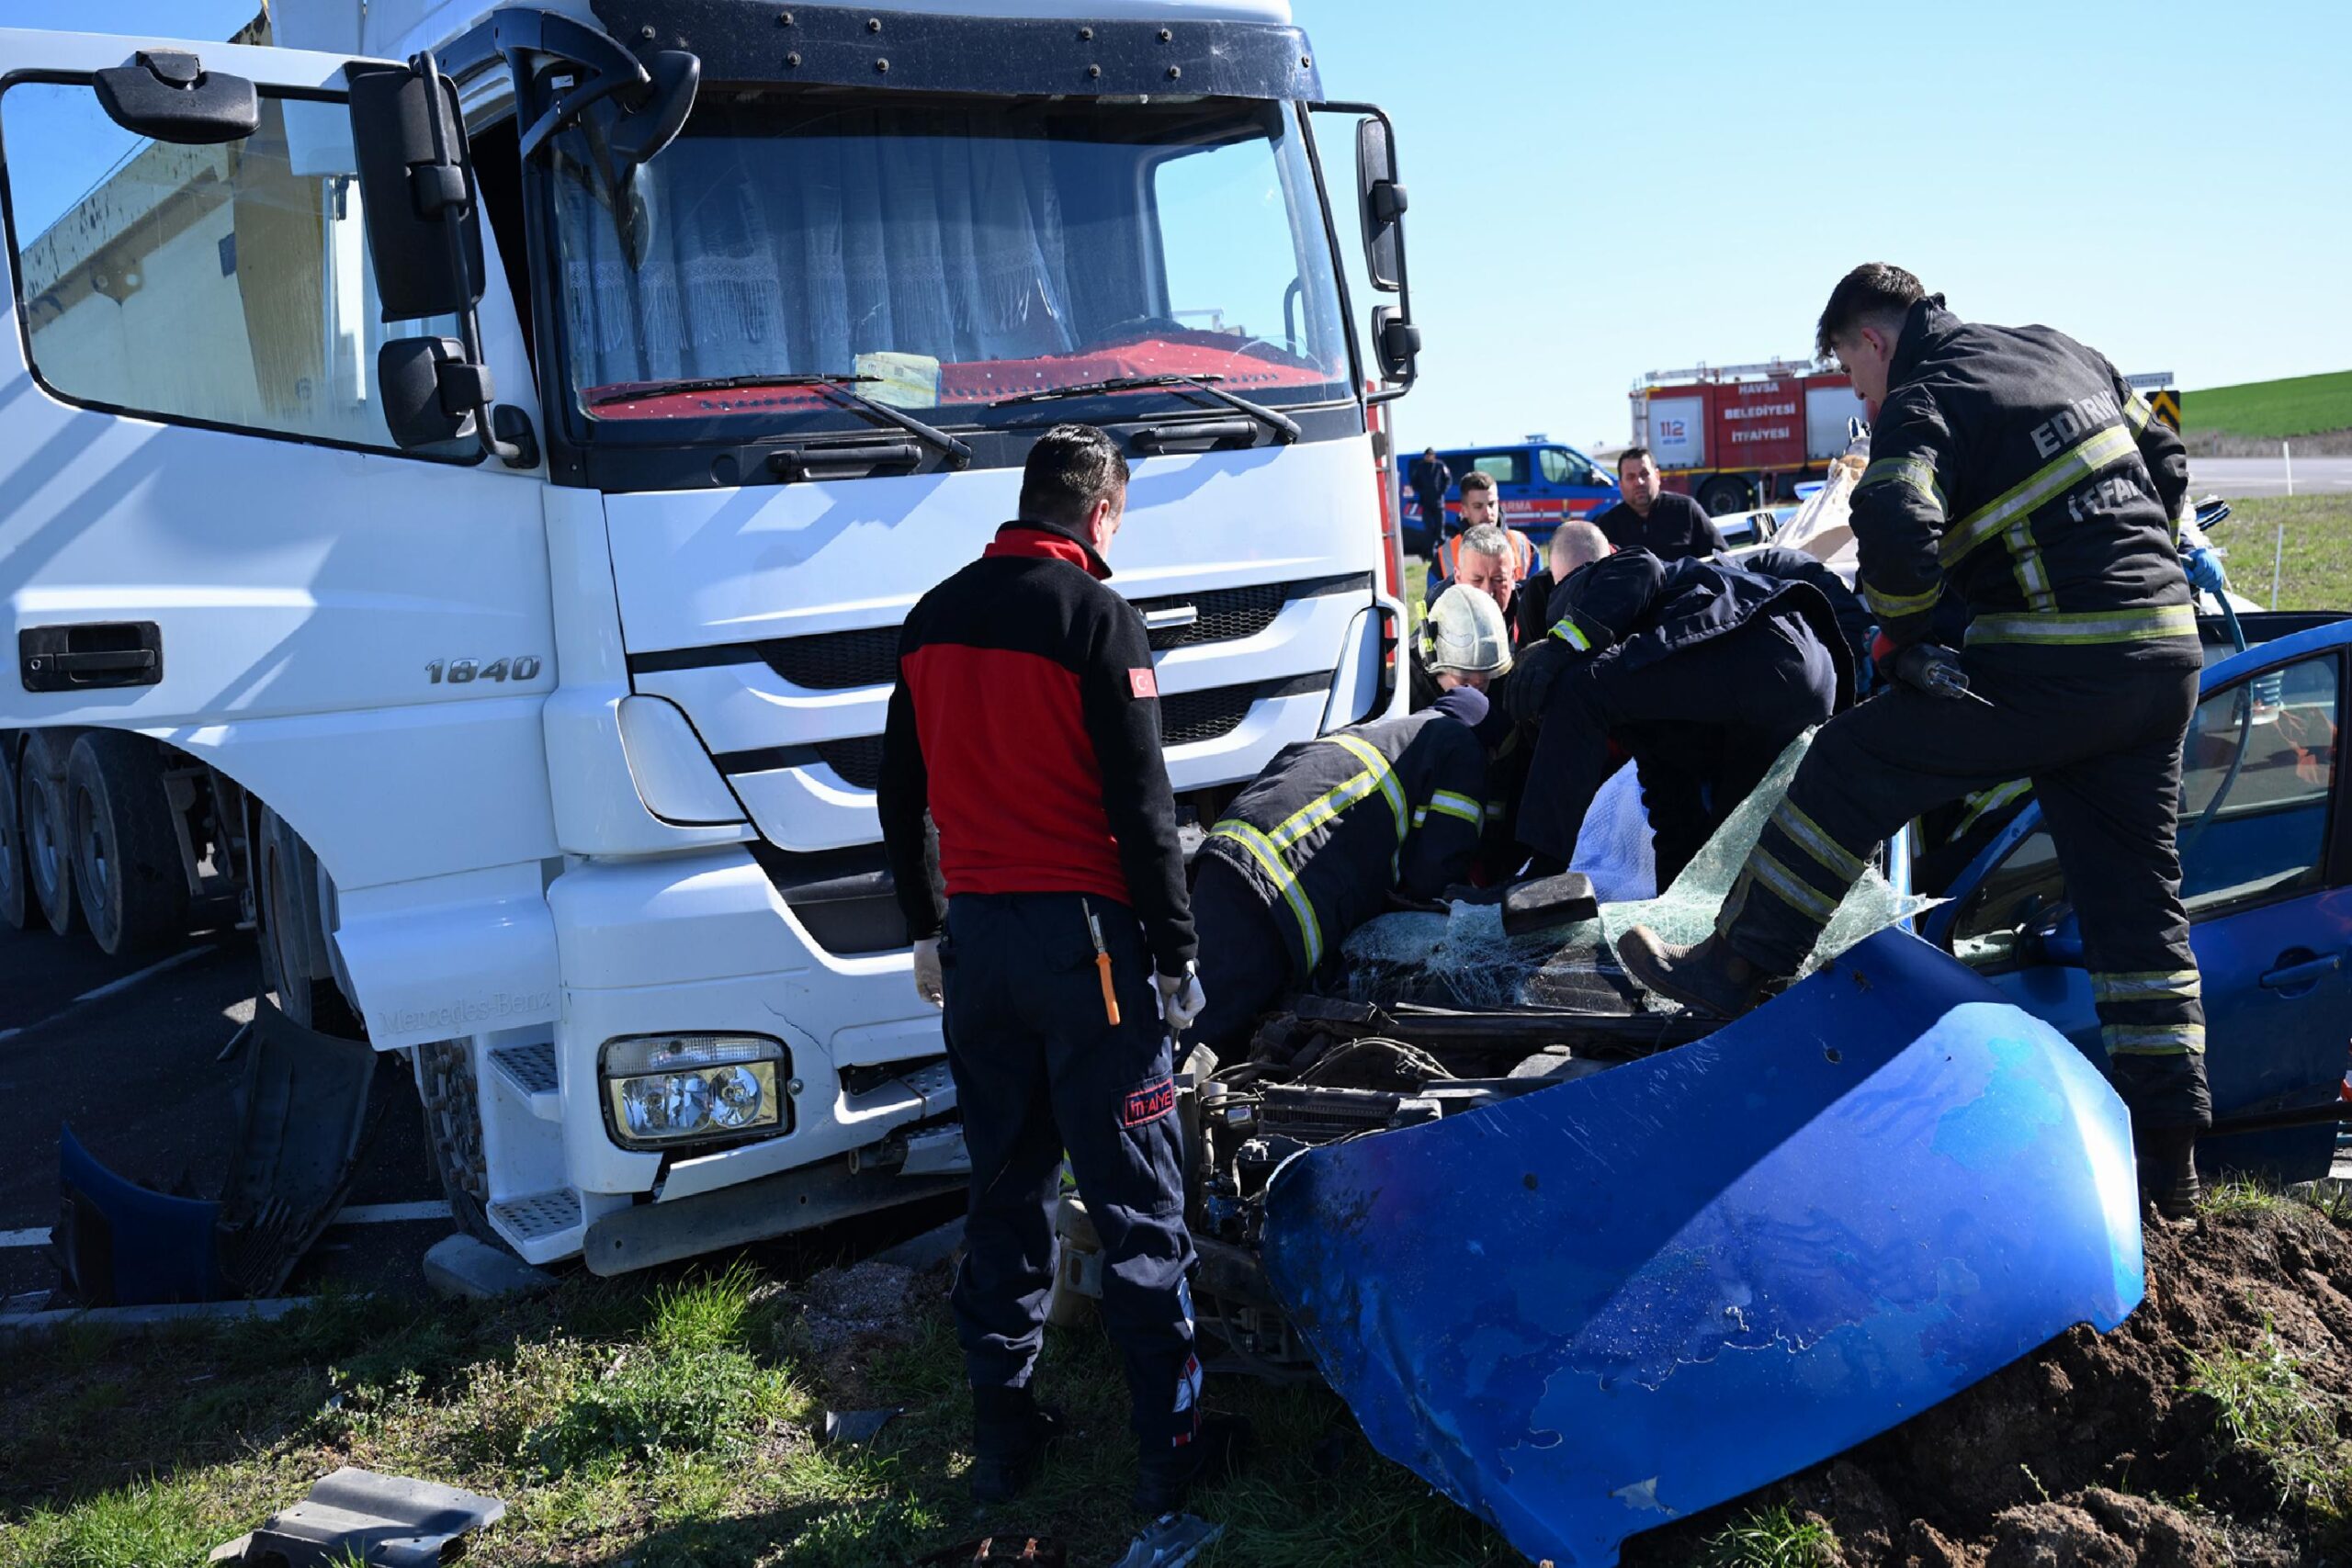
pixel 2014 468
pixel 1026 720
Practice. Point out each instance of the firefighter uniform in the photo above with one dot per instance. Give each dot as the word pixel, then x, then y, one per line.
pixel 1025 720
pixel 1312 848
pixel 2015 470
pixel 1700 670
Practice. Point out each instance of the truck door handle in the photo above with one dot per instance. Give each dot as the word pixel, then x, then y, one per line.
pixel 2306 971
pixel 102 653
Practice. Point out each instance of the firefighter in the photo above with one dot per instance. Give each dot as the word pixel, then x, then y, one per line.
pixel 1671 527
pixel 1025 722
pixel 2013 468
pixel 1702 673
pixel 1315 844
pixel 1500 558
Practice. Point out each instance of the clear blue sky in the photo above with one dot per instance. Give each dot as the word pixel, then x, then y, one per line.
pixel 1601 190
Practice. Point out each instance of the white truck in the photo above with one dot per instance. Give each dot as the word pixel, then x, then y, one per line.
pixel 465 468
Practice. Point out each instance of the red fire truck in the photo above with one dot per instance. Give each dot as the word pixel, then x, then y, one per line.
pixel 1737 437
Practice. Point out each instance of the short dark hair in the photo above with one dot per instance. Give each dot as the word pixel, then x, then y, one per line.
pixel 1872 292
pixel 1629 453
pixel 1071 468
pixel 1477 478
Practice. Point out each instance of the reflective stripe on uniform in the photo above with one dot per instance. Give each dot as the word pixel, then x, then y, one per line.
pixel 1912 471
pixel 1894 606
pixel 2154 1040
pixel 2148 985
pixel 1571 631
pixel 2025 562
pixel 2064 472
pixel 1987 800
pixel 1792 889
pixel 1813 840
pixel 2137 412
pixel 1270 860
pixel 1382 775
pixel 2087 626
pixel 1446 803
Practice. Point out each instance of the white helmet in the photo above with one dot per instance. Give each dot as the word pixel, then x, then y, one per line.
pixel 1465 632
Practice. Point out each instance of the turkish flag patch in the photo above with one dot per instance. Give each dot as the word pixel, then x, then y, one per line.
pixel 1144 683
pixel 1149 1103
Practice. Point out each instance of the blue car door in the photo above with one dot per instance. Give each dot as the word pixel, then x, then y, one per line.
pixel 2267 874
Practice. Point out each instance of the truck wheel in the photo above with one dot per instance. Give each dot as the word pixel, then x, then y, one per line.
pixel 1724 494
pixel 15 903
pixel 445 1087
pixel 40 800
pixel 285 875
pixel 126 857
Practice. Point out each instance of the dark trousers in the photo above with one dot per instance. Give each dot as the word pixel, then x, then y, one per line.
pixel 2098 731
pixel 1704 726
pixel 1245 965
pixel 1039 1070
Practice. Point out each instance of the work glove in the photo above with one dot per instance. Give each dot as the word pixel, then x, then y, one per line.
pixel 1532 676
pixel 930 984
pixel 1181 998
pixel 2205 573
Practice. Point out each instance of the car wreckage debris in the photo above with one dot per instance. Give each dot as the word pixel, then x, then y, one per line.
pixel 1585 1311
pixel 358 1516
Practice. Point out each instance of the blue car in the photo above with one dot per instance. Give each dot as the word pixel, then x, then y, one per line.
pixel 1542 484
pixel 2266 849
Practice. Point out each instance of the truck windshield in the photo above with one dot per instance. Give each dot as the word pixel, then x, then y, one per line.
pixel 957 251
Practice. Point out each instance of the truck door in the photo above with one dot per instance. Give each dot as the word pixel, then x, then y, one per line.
pixel 2265 875
pixel 207 532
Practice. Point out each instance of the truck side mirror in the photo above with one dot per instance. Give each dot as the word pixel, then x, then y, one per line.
pixel 168 96
pixel 430 391
pixel 1381 202
pixel 423 231
pixel 1398 343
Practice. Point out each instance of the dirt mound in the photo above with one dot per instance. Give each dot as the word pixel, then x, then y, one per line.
pixel 2208 1429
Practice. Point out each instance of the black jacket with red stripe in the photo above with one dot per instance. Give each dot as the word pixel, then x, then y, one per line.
pixel 1027 722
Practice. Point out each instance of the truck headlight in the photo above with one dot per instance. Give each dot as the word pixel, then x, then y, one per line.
pixel 664 1090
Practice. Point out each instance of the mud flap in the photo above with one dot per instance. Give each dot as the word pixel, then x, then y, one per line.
pixel 303 1125
pixel 1595 1308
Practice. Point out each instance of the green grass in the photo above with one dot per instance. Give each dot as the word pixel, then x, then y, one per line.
pixel 2241 1195
pixel 2315 570
pixel 2301 405
pixel 1770 1538
pixel 668 1423
pixel 2269 1410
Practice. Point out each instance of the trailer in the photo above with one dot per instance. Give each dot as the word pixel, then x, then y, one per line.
pixel 1740 436
pixel 470 463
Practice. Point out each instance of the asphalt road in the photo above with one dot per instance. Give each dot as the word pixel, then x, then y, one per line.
pixel 2235 479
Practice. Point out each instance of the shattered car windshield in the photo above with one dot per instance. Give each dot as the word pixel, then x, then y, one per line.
pixel 957 251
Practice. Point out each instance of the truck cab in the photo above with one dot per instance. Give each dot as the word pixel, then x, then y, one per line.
pixel 1542 484
pixel 493 451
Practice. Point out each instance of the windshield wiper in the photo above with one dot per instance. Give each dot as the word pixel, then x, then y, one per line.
pixel 957 453
pixel 1284 427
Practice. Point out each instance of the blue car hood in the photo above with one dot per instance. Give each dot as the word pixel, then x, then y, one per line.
pixel 1590 1310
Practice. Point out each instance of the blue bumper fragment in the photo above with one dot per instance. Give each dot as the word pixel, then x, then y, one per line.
pixel 1593 1309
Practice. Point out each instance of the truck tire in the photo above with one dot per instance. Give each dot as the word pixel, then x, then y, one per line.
pixel 452 1101
pixel 15 901
pixel 127 869
pixel 1724 494
pixel 40 803
pixel 286 875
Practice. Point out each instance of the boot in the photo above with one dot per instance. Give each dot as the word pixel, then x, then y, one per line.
pixel 1166 1477
pixel 1709 978
pixel 2168 1169
pixel 1011 1436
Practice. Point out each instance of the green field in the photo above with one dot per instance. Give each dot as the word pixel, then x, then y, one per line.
pixel 2271 410
pixel 2315 565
